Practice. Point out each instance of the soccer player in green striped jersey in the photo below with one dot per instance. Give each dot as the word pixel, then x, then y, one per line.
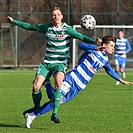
pixel 58 38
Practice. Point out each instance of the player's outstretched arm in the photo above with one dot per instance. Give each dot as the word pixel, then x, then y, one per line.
pixel 25 25
pixel 126 82
pixel 10 19
pixel 112 73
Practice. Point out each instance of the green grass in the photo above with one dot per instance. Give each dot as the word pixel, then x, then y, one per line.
pixel 102 107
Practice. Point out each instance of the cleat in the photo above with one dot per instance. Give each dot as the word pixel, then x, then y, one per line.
pixel 124 75
pixel 117 82
pixel 29 119
pixel 54 118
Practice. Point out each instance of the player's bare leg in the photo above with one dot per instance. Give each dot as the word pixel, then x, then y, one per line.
pixel 36 93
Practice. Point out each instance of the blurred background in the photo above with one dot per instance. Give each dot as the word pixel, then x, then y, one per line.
pixel 20 48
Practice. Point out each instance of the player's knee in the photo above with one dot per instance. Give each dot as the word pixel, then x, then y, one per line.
pixel 36 88
pixel 61 102
pixel 121 71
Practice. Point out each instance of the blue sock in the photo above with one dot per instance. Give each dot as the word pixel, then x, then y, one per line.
pixel 49 90
pixel 117 72
pixel 46 107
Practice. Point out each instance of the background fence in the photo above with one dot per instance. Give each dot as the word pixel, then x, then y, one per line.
pixel 100 31
pixel 29 46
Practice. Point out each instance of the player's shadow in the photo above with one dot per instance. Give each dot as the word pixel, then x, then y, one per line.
pixel 8 125
pixel 19 126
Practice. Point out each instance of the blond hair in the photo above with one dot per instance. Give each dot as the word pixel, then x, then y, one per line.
pixel 55 8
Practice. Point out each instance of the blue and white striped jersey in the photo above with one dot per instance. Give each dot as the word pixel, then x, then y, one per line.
pixel 122 45
pixel 90 62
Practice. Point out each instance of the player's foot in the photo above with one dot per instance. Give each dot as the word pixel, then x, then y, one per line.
pixel 124 75
pixel 29 118
pixel 54 118
pixel 117 82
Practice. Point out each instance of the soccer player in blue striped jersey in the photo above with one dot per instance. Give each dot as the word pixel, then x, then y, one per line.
pixel 76 80
pixel 121 49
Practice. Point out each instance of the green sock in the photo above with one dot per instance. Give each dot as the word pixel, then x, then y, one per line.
pixel 36 96
pixel 56 100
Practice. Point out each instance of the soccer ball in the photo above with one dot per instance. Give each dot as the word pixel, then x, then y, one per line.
pixel 88 22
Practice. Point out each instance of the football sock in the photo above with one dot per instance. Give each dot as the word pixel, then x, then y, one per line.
pixel 123 72
pixel 46 107
pixel 56 100
pixel 36 96
pixel 117 72
pixel 123 75
pixel 49 90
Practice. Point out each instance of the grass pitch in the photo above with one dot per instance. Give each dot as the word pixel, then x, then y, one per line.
pixel 102 107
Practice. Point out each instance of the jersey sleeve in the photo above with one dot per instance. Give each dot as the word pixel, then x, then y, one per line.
pixel 28 26
pixel 128 46
pixel 111 72
pixel 80 36
pixel 85 47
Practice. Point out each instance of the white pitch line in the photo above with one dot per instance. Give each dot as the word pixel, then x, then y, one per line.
pixel 15 88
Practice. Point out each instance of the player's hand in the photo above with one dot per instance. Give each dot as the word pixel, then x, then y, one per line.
pixel 126 82
pixel 10 19
pixel 100 48
pixel 123 53
pixel 98 41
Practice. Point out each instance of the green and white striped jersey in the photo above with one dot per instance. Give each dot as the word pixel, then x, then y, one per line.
pixel 58 40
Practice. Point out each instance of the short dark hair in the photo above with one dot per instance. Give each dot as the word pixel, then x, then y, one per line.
pixel 119 30
pixel 108 38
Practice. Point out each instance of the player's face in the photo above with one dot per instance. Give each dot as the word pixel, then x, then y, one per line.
pixel 110 47
pixel 120 34
pixel 57 17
